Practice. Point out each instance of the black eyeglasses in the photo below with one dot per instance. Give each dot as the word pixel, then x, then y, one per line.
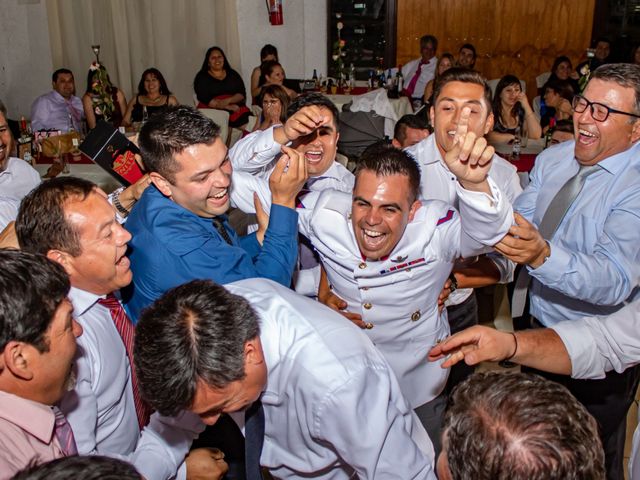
pixel 599 112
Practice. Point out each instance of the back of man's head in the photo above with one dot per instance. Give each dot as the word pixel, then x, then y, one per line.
pixel 463 75
pixel 31 289
pixel 384 160
pixel 87 467
pixel 42 225
pixel 406 122
pixel 194 332
pixel 170 132
pixel 519 427
pixel 316 99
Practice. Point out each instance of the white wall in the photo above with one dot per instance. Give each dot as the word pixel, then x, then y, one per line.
pixel 301 41
pixel 25 56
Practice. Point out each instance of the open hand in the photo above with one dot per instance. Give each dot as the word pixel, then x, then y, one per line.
pixel 304 122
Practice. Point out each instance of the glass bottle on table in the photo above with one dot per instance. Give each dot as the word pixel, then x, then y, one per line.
pixel 516 146
pixel 399 81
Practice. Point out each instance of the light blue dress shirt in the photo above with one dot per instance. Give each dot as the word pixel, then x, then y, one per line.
pixel 594 266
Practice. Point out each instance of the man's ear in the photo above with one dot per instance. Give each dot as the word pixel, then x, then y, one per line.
pixel 253 352
pixel 635 132
pixel 432 115
pixel 63 258
pixel 161 183
pixel 414 208
pixel 396 143
pixel 488 126
pixel 16 357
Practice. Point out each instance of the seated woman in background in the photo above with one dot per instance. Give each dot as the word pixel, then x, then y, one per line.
pixel 274 102
pixel 268 52
pixel 102 100
pixel 219 86
pixel 562 69
pixel 272 73
pixel 558 95
pixel 153 96
pixel 445 62
pixel 512 112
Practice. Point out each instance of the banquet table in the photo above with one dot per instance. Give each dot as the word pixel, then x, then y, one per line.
pixel 402 105
pixel 89 171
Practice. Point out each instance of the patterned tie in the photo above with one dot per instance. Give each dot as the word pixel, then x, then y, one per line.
pixel 127 332
pixel 551 220
pixel 62 431
pixel 412 83
pixel 219 226
pixel 253 440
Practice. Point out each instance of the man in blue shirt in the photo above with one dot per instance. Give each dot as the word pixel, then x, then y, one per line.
pixel 583 253
pixel 179 227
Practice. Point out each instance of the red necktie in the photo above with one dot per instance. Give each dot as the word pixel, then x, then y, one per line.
pixel 62 431
pixel 412 83
pixel 127 332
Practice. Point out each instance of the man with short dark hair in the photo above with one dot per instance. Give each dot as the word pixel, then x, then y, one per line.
pixel 59 109
pixel 576 235
pixel 331 406
pixel 180 230
pixel 518 427
pixel 467 56
pixel 71 222
pixel 409 130
pixel 37 348
pixel 419 71
pixel 87 467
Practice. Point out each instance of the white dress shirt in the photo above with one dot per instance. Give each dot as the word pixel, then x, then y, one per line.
pixel 600 344
pixel 438 183
pixel 18 178
pixel 427 73
pixel 333 409
pixel 100 408
pixel 8 210
pixel 399 295
pixel 52 111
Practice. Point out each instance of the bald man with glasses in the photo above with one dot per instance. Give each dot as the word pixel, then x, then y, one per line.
pixel 576 235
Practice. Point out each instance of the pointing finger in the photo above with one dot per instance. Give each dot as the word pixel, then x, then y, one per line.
pixel 463 125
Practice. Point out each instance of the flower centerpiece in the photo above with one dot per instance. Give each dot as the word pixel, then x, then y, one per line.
pixel 101 91
pixel 338 50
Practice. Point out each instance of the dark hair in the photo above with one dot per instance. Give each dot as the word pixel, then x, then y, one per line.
pixel 3 109
pixel 429 39
pixel 558 61
pixel 384 159
pixel 408 121
pixel 464 75
pixel 443 56
pixel 87 467
pixel 205 64
pixel 564 126
pixel 468 46
pixel 624 74
pixel 91 73
pixel 601 39
pixel 318 99
pixel 31 289
pixel 279 93
pixel 164 89
pixel 504 82
pixel 267 50
pixel 266 68
pixel 519 427
pixel 561 87
pixel 169 132
pixel 194 332
pixel 41 224
pixel 60 71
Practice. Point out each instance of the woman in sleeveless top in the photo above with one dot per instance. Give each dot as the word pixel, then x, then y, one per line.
pixel 102 100
pixel 153 96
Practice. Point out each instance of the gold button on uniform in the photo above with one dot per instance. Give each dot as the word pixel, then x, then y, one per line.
pixel 362 266
pixel 367 306
pixel 415 316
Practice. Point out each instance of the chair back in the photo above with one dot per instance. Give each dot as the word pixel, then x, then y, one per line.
pixel 221 117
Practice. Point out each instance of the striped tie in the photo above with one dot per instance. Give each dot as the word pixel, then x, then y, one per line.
pixel 62 431
pixel 127 332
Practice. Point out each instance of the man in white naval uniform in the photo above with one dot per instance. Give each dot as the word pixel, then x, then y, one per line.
pixel 311 129
pixel 387 254
pixel 455 89
pixel 332 407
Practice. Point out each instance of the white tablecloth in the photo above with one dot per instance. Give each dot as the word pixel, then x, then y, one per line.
pixel 90 172
pixel 402 105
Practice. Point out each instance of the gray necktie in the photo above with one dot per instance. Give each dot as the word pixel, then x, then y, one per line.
pixel 552 218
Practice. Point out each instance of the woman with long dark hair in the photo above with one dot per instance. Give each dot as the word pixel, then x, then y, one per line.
pixel 512 112
pixel 153 96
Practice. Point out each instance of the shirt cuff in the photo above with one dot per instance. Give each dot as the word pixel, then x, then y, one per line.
pixel 283 220
pixel 554 268
pixel 582 349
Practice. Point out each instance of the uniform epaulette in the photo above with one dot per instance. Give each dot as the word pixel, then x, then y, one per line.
pixel 446 218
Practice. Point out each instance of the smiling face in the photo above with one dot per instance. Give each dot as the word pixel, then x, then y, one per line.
pixel 6 142
pixel 151 83
pixel 216 60
pixel 445 113
pixel 466 58
pixel 211 402
pixel 54 368
pixel 201 185
pixel 276 76
pixel 380 212
pixel 596 141
pixel 602 50
pixel 65 85
pixel 445 64
pixel 101 267
pixel 319 148
pixel 563 70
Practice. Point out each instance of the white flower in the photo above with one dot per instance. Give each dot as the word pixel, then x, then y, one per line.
pixel 335 57
pixel 338 15
pixel 98 111
pixel 340 26
pixel 584 70
pixel 94 66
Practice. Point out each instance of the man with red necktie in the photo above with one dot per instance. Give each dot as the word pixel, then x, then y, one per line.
pixel 419 71
pixel 71 222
